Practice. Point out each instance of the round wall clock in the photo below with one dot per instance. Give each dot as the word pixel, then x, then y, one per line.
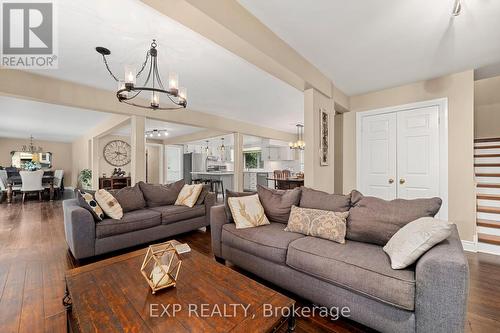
pixel 117 153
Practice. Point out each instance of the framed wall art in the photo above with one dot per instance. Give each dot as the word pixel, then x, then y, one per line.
pixel 324 126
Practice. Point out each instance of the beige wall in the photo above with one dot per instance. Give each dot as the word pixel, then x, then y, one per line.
pixel 487 108
pixel 459 89
pixel 61 152
pixel 316 176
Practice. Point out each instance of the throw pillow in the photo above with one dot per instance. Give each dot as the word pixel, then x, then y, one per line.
pixel 278 203
pixel 205 190
pixel 374 220
pixel 321 200
pixel 188 195
pixel 109 204
pixel 318 223
pixel 230 194
pixel 161 195
pixel 86 200
pixel 247 211
pixel 414 239
pixel 130 198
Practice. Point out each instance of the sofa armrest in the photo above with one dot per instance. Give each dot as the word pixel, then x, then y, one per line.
pixel 442 286
pixel 210 199
pixel 217 220
pixel 79 227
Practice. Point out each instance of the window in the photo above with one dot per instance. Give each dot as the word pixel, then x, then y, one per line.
pixel 253 160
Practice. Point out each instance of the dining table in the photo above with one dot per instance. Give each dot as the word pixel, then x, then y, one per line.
pixel 288 182
pixel 16 180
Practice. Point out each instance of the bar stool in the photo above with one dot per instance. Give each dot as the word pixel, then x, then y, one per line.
pixel 196 181
pixel 217 185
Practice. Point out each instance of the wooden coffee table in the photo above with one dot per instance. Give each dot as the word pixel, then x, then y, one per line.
pixel 112 296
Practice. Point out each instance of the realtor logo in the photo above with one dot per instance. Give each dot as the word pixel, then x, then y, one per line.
pixel 28 34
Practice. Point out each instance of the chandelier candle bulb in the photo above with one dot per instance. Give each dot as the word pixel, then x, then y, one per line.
pixel 183 93
pixel 121 86
pixel 129 76
pixel 155 100
pixel 173 83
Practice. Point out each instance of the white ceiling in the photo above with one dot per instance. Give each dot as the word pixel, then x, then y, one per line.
pixel 370 45
pixel 173 130
pixel 218 81
pixel 21 118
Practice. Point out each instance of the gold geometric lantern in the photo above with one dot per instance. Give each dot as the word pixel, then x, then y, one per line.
pixel 161 266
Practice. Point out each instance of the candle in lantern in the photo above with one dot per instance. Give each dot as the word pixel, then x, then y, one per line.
pixel 173 83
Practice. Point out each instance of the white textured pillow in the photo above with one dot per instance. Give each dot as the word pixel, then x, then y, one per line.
pixel 247 211
pixel 189 195
pixel 109 204
pixel 414 239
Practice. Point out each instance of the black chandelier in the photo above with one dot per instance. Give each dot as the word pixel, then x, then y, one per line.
pixel 128 90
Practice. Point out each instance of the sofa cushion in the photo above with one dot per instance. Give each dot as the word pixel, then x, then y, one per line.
pixel 203 194
pixel 360 267
pixel 268 241
pixel 161 195
pixel 321 200
pixel 231 194
pixel 172 214
pixel 278 203
pixel 374 220
pixel 130 198
pixel 131 221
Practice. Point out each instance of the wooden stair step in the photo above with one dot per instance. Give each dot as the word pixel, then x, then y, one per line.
pixel 487 140
pixel 488 185
pixel 487 155
pixel 487 174
pixel 483 196
pixel 487 165
pixel 487 147
pixel 488 223
pixel 491 239
pixel 491 210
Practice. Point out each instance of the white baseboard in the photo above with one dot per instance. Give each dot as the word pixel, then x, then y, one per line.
pixel 469 246
pixel 488 248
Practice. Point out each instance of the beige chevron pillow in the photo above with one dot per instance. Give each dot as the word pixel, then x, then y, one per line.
pixel 109 204
pixel 318 223
pixel 247 211
pixel 189 195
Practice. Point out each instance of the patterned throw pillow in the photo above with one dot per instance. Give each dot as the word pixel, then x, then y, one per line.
pixel 86 200
pixel 247 211
pixel 318 223
pixel 188 195
pixel 109 204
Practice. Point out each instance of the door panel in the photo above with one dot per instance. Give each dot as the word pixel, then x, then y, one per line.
pixel 174 163
pixel 378 156
pixel 418 153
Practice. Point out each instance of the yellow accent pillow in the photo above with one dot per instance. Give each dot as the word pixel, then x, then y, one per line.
pixel 247 211
pixel 109 204
pixel 189 195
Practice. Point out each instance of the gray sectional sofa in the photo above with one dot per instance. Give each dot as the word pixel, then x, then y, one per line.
pixel 429 296
pixel 149 215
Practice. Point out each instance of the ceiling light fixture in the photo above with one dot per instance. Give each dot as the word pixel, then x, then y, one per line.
pixel 299 143
pixel 222 148
pixel 457 8
pixel 128 90
pixel 31 148
pixel 155 132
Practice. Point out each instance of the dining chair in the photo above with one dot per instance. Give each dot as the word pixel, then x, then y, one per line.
pixel 58 178
pixel 31 182
pixel 286 173
pixel 4 183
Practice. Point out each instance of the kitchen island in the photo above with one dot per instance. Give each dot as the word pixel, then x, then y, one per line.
pixel 225 176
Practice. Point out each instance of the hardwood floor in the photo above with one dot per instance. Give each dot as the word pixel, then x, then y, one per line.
pixel 34 257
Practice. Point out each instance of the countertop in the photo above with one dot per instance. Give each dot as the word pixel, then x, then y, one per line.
pixel 257 171
pixel 214 173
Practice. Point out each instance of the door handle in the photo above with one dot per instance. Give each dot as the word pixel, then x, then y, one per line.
pixel 402 181
pixel 391 180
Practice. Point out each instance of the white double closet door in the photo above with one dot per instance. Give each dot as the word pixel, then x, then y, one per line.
pixel 400 154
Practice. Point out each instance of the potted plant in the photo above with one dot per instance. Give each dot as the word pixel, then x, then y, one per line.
pixel 85 179
pixel 31 166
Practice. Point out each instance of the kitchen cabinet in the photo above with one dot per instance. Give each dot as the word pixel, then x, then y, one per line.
pixel 277 154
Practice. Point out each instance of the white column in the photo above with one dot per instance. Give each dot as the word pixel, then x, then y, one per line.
pixel 238 162
pixel 138 149
pixel 94 162
pixel 317 176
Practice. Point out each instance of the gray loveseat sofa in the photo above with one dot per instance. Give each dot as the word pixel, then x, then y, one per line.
pixel 152 218
pixel 429 296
